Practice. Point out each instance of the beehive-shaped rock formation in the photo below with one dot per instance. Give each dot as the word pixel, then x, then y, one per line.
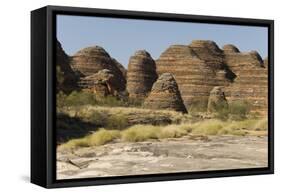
pixel 197 69
pixel 90 60
pixel 208 51
pixel 165 95
pixel 265 62
pixel 251 81
pixel 141 74
pixel 121 68
pixel 229 48
pixel 66 78
pixel 217 100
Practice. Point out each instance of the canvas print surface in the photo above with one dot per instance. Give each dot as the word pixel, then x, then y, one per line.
pixel 138 97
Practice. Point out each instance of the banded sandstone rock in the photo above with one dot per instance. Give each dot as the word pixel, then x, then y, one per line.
pixel 229 48
pixel 217 100
pixel 141 74
pixel 102 84
pixel 251 81
pixel 90 60
pixel 197 69
pixel 265 62
pixel 67 79
pixel 121 68
pixel 165 95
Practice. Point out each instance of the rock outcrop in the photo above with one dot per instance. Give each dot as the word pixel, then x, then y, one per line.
pixel 265 62
pixel 121 68
pixel 165 95
pixel 251 82
pixel 217 100
pixel 90 60
pixel 197 68
pixel 229 48
pixel 66 77
pixel 202 65
pixel 102 83
pixel 141 74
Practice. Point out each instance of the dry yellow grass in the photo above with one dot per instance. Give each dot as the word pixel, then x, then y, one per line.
pixel 101 137
pixel 85 111
pixel 138 133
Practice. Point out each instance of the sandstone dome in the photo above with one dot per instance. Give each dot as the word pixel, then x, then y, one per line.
pixel 229 48
pixel 90 60
pixel 141 74
pixel 165 94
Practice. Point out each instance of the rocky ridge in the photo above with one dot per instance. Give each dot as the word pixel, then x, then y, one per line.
pixel 251 79
pixel 196 68
pixel 66 77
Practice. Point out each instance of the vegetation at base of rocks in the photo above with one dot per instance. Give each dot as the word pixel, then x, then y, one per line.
pixel 59 75
pixel 122 117
pixel 78 98
pixel 236 110
pixel 100 137
pixel 139 133
pixel 198 106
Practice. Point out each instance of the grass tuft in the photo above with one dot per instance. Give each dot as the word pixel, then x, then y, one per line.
pixel 138 133
pixel 101 137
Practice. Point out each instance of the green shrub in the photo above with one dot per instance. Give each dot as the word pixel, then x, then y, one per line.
pixel 60 99
pixel 134 102
pixel 98 118
pixel 222 113
pixel 198 106
pixel 59 75
pixel 80 98
pixel 239 110
pixel 116 121
pixel 110 101
pixel 236 110
pixel 217 106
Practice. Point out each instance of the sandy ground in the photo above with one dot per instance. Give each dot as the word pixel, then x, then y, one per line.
pixel 162 156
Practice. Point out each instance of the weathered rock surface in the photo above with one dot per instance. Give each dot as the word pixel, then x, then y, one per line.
pixel 265 62
pixel 251 81
pixel 229 48
pixel 217 100
pixel 90 60
pixel 121 68
pixel 165 95
pixel 165 156
pixel 67 79
pixel 141 74
pixel 102 83
pixel 202 65
pixel 197 68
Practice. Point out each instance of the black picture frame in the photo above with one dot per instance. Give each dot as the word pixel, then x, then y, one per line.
pixel 43 138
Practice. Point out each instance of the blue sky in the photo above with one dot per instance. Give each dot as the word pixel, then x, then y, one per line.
pixel 122 37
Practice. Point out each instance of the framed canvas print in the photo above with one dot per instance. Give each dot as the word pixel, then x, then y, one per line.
pixel 126 96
